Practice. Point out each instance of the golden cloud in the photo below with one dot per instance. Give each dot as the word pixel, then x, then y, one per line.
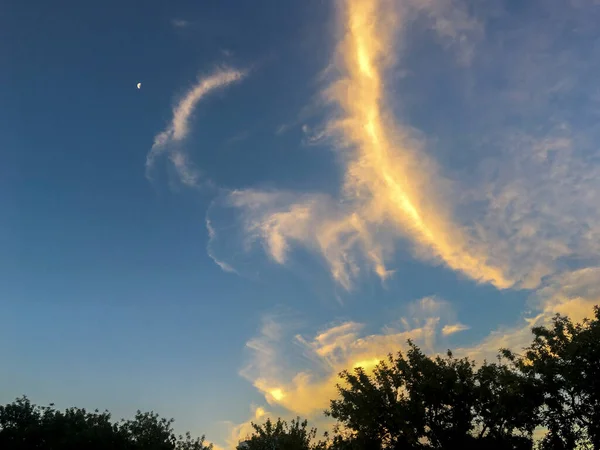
pixel 391 187
pixel 453 328
pixel 338 347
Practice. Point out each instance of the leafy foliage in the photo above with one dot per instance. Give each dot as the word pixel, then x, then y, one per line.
pixel 416 402
pixel 24 426
pixel 564 362
pixel 280 435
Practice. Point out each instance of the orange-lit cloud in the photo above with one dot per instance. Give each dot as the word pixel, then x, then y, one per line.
pixel 453 328
pixel 290 390
pixel 241 431
pixel 307 391
pixel 573 294
pixel 391 188
pixel 528 211
pixel 388 176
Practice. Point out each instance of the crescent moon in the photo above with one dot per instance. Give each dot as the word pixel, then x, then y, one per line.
pixel 139 85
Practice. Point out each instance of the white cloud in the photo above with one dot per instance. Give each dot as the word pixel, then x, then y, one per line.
pixel 573 294
pixel 168 141
pixel 541 209
pixel 180 23
pixel 278 220
pixel 211 236
pixel 240 432
pixel 454 24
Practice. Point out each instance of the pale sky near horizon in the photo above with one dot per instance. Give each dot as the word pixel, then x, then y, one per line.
pixel 297 187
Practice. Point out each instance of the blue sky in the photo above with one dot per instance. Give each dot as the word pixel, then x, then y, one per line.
pixel 296 188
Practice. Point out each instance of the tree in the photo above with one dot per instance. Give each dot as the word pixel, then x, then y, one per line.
pixel 280 436
pixel 24 426
pixel 564 361
pixel 418 402
pixel 506 407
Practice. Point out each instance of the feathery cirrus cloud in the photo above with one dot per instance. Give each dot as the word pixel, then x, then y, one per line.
pixel 527 211
pixel 391 188
pixel 170 140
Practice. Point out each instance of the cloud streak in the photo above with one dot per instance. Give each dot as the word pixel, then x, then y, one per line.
pixel 527 213
pixel 169 141
pixel 180 23
pixel 386 168
pixel 211 236
pixel 454 328
pixel 390 188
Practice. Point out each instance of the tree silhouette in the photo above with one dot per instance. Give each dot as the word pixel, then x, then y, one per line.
pixel 418 402
pixel 564 361
pixel 24 426
pixel 280 436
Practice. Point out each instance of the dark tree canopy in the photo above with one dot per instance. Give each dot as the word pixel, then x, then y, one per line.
pixel 24 426
pixel 413 401
pixel 280 435
pixel 564 361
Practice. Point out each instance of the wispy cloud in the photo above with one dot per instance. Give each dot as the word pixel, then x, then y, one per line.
pixel 527 213
pixel 180 23
pixel 540 217
pixel 454 328
pixel 307 390
pixel 169 141
pixel 238 137
pixel 279 219
pixel 391 188
pixel 211 236
pixel 573 294
pixel 241 431
pixel 282 129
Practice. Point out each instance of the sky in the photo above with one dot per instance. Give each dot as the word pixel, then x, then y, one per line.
pixel 294 188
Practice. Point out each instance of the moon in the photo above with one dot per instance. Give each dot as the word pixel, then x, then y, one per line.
pixel 139 85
